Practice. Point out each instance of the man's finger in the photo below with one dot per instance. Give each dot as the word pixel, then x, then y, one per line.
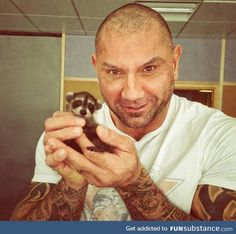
pixel 55 159
pixel 73 158
pixel 84 142
pixel 62 113
pixel 64 134
pixel 110 137
pixel 56 123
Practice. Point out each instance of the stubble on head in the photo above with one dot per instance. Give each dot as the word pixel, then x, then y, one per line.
pixel 129 19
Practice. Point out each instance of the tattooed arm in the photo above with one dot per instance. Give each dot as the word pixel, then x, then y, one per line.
pixel 214 203
pixel 46 201
pixel 145 201
pixel 63 201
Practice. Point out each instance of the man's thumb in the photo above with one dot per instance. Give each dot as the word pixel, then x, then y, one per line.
pixel 112 138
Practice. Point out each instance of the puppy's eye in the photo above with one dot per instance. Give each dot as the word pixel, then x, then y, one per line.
pixel 91 107
pixel 76 104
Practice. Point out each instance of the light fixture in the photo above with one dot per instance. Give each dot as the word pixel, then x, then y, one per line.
pixel 205 91
pixel 172 11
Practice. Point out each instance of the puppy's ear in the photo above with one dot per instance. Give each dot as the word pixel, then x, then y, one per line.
pixel 69 96
pixel 98 105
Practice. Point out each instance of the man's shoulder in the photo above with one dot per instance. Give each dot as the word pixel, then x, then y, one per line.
pixel 202 116
pixel 184 103
pixel 193 110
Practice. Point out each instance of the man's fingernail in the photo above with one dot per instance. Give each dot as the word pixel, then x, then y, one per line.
pixel 77 130
pixel 47 149
pixel 51 144
pixel 61 153
pixel 80 121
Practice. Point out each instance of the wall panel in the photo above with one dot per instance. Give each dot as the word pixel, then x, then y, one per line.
pixel 29 93
pixel 229 100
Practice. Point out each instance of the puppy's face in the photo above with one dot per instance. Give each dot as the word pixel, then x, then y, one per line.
pixel 83 104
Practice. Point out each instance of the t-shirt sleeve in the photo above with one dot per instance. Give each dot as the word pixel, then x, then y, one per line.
pixel 42 172
pixel 219 152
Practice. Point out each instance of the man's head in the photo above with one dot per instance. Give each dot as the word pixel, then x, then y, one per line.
pixel 133 18
pixel 136 64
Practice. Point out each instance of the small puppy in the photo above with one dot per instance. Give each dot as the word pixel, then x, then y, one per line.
pixel 83 104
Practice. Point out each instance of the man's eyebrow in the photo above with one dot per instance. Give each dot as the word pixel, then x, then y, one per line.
pixel 106 64
pixel 153 60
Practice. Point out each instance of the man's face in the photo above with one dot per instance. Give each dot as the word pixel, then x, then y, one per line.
pixel 136 75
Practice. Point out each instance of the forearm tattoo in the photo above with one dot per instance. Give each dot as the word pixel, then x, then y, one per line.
pixel 214 203
pixel 46 201
pixel 145 201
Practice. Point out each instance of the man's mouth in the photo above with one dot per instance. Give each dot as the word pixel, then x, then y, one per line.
pixel 134 108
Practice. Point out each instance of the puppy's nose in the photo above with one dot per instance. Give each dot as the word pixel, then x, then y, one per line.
pixel 83 112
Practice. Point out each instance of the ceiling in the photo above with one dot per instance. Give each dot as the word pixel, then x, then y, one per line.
pixel 210 19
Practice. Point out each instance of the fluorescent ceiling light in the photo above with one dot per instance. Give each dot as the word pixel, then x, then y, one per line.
pixel 172 11
pixel 219 1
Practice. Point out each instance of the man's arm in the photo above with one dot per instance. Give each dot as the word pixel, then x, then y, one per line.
pixel 64 201
pixel 122 170
pixel 46 201
pixel 146 202
pixel 214 203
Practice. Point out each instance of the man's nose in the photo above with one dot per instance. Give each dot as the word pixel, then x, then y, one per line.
pixel 132 88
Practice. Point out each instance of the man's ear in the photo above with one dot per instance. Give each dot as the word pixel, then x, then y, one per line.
pixel 69 96
pixel 176 58
pixel 94 60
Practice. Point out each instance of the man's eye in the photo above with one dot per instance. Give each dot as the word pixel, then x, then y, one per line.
pixel 114 72
pixel 149 68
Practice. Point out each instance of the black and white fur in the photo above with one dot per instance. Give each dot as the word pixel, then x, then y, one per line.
pixel 83 104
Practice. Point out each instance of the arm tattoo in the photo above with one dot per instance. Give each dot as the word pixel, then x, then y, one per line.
pixel 214 203
pixel 146 202
pixel 46 201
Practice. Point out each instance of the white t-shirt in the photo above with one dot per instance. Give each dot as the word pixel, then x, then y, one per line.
pixel 195 145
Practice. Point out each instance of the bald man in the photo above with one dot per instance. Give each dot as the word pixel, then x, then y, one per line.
pixel 173 159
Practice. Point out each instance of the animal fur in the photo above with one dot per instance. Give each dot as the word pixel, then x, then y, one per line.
pixel 83 104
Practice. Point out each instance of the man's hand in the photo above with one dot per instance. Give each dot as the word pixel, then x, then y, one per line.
pixel 111 169
pixel 60 127
pixel 104 169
